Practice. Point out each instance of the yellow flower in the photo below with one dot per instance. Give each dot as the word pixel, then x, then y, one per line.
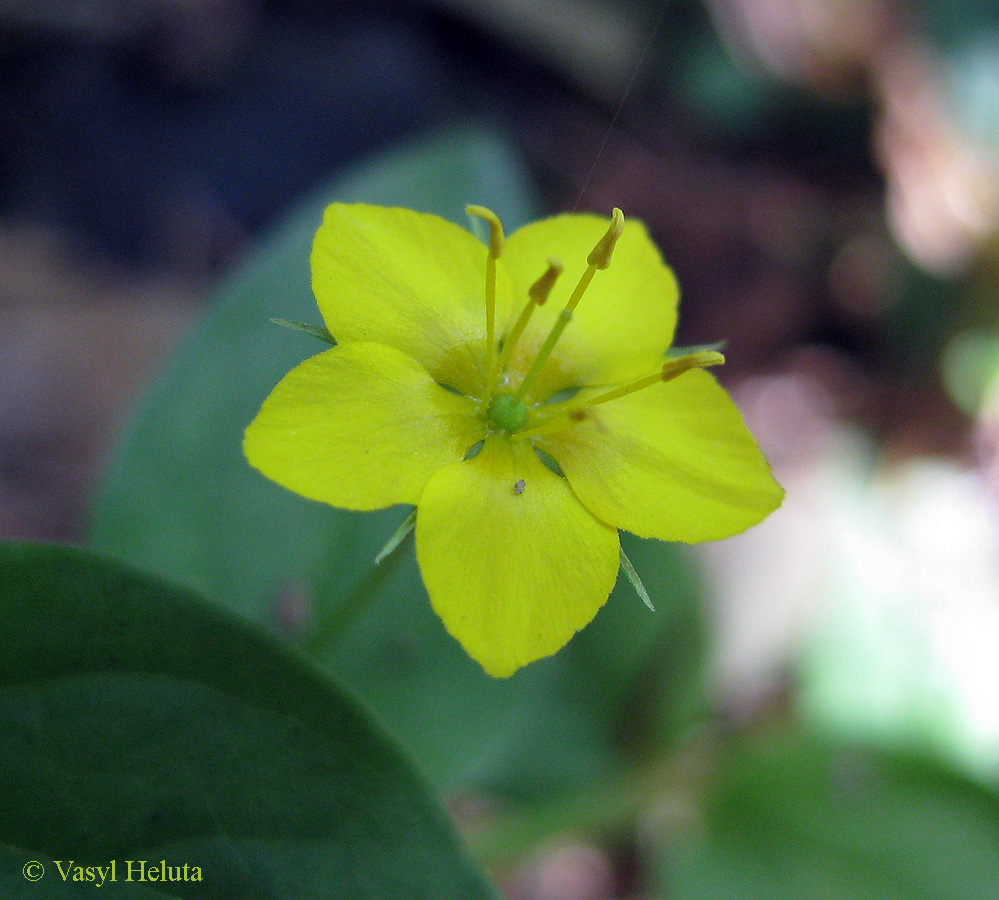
pixel 526 415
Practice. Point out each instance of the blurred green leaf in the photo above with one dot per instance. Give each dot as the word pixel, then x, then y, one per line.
pixel 180 500
pixel 142 723
pixel 793 818
pixel 968 368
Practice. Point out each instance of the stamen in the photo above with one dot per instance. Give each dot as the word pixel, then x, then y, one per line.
pixel 537 295
pixel 670 370
pixel 599 258
pixel 496 239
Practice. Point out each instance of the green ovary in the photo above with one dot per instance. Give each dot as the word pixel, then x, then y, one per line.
pixel 507 413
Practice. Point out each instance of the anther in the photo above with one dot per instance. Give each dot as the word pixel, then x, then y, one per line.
pixel 541 288
pixel 600 255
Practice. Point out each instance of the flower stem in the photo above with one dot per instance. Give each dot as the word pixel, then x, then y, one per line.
pixel 332 623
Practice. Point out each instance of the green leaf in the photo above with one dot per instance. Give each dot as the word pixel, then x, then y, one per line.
pixel 181 501
pixel 142 723
pixel 795 817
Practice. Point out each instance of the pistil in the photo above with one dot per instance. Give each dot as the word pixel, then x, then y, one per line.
pixel 507 413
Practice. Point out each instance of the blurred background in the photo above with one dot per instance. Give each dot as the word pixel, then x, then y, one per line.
pixel 823 175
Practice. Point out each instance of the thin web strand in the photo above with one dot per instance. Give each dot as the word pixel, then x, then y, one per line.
pixel 628 88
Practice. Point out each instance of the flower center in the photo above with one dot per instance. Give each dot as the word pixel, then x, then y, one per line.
pixel 508 411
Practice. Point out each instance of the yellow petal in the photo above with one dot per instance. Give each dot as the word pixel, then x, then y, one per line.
pixel 625 320
pixel 674 461
pixel 409 280
pixel 513 564
pixel 361 426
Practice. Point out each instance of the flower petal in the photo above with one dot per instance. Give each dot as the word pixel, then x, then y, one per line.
pixel 513 564
pixel 361 426
pixel 410 280
pixel 673 461
pixel 625 321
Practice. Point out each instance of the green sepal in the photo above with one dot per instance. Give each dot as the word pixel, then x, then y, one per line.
pixel 316 331
pixel 398 536
pixel 675 352
pixel 636 582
